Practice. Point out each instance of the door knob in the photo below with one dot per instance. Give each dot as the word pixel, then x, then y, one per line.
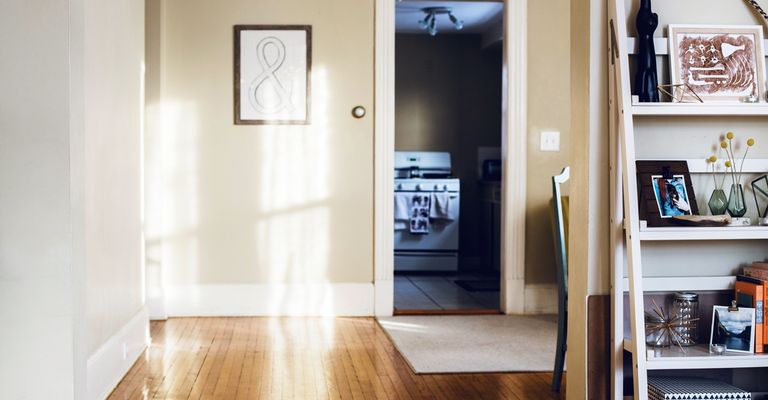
pixel 358 112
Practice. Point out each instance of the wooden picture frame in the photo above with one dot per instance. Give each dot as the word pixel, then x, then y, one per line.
pixel 272 74
pixel 719 62
pixel 648 203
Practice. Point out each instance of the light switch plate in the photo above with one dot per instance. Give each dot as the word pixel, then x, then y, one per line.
pixel 550 141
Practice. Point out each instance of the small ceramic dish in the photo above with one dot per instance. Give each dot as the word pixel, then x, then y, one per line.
pixel 717 349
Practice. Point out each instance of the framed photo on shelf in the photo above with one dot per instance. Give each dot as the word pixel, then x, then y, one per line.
pixel 718 62
pixel 272 68
pixel 664 191
pixel 734 329
pixel 671 195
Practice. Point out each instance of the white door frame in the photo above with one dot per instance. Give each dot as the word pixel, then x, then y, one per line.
pixel 513 144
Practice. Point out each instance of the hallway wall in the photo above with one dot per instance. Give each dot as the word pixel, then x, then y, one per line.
pixel 549 109
pixel 262 218
pixel 116 323
pixel 38 273
pixel 113 74
pixel 70 197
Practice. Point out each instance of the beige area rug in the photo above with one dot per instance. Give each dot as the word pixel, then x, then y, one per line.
pixel 475 343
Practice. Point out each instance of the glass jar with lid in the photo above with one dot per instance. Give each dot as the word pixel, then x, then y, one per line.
pixel 685 313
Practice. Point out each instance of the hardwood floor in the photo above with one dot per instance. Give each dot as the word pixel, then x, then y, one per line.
pixel 299 358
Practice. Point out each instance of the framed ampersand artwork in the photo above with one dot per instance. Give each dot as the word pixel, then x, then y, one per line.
pixel 718 62
pixel 272 74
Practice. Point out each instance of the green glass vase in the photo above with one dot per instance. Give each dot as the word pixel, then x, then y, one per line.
pixel 737 207
pixel 718 202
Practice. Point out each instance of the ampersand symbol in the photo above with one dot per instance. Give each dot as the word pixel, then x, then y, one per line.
pixel 267 94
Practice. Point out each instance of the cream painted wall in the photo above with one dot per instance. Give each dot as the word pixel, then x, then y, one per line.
pixel 261 204
pixel 113 98
pixel 588 253
pixel 70 241
pixel 694 12
pixel 37 274
pixel 152 147
pixel 549 108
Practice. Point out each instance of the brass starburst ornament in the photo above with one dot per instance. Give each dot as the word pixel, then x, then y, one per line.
pixel 666 328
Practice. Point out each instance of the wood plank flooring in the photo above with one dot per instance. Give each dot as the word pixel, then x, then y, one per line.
pixel 298 358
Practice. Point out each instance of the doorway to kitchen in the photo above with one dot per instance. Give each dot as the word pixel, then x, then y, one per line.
pixel 448 160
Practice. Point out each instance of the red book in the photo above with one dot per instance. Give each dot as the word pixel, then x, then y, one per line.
pixel 750 293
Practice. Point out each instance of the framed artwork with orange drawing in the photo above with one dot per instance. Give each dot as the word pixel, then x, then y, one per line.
pixel 719 62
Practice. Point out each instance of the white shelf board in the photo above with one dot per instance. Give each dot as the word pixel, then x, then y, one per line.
pixel 699 109
pixel 704 233
pixel 685 283
pixel 698 357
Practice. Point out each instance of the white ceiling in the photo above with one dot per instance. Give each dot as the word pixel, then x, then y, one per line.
pixel 479 16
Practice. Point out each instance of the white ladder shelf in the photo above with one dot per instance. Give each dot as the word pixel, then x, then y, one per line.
pixel 627 233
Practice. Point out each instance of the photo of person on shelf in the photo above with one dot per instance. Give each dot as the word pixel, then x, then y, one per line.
pixel 671 196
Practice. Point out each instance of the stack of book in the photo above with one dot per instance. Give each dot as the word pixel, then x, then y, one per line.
pixel 751 290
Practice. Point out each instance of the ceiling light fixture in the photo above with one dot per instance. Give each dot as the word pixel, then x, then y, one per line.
pixel 429 23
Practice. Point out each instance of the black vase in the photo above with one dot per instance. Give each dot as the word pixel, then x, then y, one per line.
pixel 646 80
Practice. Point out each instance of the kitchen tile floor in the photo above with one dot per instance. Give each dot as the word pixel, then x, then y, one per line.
pixel 440 292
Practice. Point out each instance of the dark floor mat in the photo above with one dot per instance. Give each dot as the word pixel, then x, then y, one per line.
pixel 479 285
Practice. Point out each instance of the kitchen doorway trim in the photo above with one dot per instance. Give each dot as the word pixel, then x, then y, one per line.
pixel 514 146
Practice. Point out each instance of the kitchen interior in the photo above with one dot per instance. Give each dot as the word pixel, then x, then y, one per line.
pixel 447 189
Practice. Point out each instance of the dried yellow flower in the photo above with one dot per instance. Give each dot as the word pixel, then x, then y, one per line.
pixel 729 135
pixel 728 164
pixel 724 145
pixel 712 159
pixel 750 142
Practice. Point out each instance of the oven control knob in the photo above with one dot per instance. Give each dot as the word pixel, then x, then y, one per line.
pixel 445 187
pixel 418 187
pixel 399 186
pixel 437 187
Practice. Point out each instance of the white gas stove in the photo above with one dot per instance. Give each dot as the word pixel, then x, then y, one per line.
pixel 427 174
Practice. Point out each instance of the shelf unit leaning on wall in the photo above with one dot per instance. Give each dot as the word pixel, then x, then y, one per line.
pixel 630 235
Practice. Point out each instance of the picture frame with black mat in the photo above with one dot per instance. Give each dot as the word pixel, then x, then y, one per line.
pixel 673 171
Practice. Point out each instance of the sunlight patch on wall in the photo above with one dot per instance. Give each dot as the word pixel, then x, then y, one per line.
pixel 293 161
pixel 179 183
pixel 291 238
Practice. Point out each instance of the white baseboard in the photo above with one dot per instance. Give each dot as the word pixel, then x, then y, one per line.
pixel 270 299
pixel 385 297
pixel 541 298
pixel 513 296
pixel 107 366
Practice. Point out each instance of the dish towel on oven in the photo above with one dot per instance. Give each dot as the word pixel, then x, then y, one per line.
pixel 402 210
pixel 420 208
pixel 441 207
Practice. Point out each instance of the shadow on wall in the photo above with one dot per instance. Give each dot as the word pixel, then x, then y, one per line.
pixel 539 217
pixel 250 207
